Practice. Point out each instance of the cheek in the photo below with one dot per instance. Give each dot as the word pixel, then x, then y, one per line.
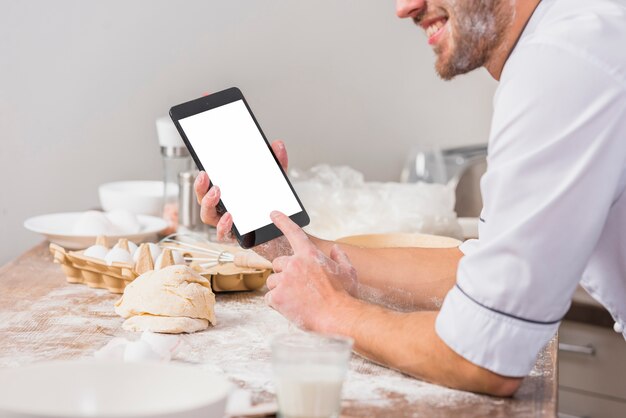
pixel 454 29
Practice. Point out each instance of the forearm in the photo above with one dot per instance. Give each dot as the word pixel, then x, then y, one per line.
pixel 411 278
pixel 408 342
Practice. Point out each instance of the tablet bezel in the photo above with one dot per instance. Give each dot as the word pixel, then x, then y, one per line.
pixel 221 98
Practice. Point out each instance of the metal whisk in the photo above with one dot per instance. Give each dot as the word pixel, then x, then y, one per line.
pixel 207 257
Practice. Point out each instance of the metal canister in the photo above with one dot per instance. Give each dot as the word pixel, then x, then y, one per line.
pixel 188 208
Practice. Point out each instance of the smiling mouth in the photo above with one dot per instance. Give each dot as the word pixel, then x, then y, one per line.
pixel 434 28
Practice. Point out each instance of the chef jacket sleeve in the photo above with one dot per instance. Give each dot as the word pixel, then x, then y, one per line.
pixel 555 159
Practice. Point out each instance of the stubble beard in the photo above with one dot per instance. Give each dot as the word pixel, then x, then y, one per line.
pixel 476 30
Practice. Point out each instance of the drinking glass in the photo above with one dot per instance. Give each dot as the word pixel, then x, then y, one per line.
pixel 425 163
pixel 309 370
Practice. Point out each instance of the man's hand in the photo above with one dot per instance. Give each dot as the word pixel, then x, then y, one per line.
pixel 309 287
pixel 208 198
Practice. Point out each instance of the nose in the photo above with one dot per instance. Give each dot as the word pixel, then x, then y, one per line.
pixel 409 8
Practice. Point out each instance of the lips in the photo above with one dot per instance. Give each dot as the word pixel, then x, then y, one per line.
pixel 434 28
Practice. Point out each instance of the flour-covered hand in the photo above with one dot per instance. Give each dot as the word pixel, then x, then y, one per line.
pixel 308 287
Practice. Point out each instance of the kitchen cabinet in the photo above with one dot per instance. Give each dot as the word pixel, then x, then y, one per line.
pixel 575 404
pixel 592 362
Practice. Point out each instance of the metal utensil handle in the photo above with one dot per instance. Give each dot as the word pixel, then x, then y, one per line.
pixel 588 349
pixel 564 415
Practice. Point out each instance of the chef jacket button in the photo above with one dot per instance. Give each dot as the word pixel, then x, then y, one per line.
pixel 617 327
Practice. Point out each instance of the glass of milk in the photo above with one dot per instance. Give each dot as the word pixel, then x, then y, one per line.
pixel 309 370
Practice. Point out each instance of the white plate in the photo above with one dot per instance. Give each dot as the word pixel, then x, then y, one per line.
pixel 57 228
pixel 112 389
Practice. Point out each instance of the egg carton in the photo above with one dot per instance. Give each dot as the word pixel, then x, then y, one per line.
pixel 96 273
pixel 223 279
pixel 227 277
pixel 93 272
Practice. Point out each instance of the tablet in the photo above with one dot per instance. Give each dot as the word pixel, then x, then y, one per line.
pixel 225 140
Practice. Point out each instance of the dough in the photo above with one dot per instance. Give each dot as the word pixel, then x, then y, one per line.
pixel 165 324
pixel 175 291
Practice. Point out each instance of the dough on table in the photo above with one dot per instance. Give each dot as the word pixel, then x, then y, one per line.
pixel 175 291
pixel 165 324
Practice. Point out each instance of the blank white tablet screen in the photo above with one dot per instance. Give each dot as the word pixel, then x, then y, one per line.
pixel 232 151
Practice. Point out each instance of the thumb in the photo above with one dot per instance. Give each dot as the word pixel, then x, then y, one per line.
pixel 339 256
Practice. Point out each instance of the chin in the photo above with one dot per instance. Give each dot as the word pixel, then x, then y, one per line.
pixel 444 64
pixel 448 67
pixel 444 69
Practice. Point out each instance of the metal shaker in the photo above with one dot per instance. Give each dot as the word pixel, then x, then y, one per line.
pixel 176 159
pixel 188 207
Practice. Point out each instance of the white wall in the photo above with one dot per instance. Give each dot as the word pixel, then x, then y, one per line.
pixel 81 83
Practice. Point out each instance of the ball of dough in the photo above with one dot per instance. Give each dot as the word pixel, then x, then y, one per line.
pixel 175 291
pixel 165 324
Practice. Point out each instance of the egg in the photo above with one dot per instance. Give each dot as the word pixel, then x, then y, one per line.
pixel 155 251
pixel 142 351
pixel 118 255
pixel 92 223
pixel 125 221
pixel 165 345
pixel 113 350
pixel 178 259
pixel 96 251
pixel 132 247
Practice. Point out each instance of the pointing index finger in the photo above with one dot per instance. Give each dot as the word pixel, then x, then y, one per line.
pixel 295 235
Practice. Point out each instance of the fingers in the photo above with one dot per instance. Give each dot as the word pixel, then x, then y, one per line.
pixel 279 263
pixel 208 198
pixel 295 235
pixel 272 297
pixel 339 256
pixel 280 151
pixel 272 281
pixel 224 227
pixel 201 186
pixel 268 300
pixel 207 208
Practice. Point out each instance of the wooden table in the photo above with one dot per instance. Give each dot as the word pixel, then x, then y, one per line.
pixel 42 317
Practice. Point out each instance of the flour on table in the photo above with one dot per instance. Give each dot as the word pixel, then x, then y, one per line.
pixel 239 348
pixel 73 321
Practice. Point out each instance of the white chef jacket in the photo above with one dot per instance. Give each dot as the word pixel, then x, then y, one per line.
pixel 554 207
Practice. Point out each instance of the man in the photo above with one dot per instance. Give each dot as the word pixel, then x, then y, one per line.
pixel 554 204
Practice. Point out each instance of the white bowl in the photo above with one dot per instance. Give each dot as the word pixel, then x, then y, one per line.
pixel 111 389
pixel 138 197
pixel 59 229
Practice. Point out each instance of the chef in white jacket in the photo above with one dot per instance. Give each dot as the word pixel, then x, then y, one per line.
pixel 554 201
